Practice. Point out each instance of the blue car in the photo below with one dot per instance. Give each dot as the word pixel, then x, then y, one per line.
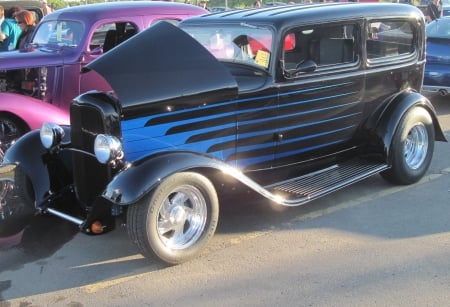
pixel 437 69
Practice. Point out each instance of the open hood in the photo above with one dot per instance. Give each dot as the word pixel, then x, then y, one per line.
pixel 164 63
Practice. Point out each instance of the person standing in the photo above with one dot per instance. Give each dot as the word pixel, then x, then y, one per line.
pixel 433 10
pixel 27 23
pixel 257 4
pixel 203 5
pixel 9 29
pixel 47 9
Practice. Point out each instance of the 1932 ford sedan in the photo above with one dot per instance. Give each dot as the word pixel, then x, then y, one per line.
pixel 37 84
pixel 291 102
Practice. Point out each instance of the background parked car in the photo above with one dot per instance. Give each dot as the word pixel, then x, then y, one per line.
pixel 37 84
pixel 437 68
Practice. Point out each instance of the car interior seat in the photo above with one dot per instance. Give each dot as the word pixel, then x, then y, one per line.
pixel 110 40
pixel 326 51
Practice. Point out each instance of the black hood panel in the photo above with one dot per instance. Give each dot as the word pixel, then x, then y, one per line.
pixel 163 63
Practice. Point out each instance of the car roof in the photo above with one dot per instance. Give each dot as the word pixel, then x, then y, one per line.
pixel 291 15
pixel 106 10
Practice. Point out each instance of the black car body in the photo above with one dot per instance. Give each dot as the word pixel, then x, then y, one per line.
pixel 292 102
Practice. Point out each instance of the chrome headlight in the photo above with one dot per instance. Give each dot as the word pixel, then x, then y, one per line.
pixel 51 134
pixel 107 148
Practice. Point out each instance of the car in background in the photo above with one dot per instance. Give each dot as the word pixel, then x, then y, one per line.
pixel 437 69
pixel 217 9
pixel 244 100
pixel 38 83
pixel 274 3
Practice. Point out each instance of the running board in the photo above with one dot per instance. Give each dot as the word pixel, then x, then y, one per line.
pixel 298 191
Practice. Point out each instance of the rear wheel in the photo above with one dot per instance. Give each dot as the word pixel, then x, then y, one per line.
pixel 176 220
pixel 412 147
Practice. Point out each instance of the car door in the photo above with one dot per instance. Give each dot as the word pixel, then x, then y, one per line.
pixel 319 110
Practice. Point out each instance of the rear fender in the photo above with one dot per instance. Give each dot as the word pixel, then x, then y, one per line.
pixel 388 121
pixel 141 177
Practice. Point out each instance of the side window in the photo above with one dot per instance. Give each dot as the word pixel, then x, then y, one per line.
pixel 324 45
pixel 109 35
pixel 389 39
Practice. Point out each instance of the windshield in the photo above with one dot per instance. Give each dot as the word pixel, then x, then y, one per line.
pixel 58 32
pixel 440 28
pixel 237 43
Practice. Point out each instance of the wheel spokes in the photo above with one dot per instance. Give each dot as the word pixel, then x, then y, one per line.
pixel 182 218
pixel 416 146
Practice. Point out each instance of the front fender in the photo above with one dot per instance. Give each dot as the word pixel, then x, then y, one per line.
pixel 34 160
pixel 32 111
pixel 387 124
pixel 141 177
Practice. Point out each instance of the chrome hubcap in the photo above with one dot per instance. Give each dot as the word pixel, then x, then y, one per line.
pixel 415 147
pixel 182 217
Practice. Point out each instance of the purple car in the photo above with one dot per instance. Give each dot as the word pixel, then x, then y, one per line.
pixel 38 84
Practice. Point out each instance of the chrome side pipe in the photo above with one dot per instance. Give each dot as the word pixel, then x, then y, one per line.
pixel 64 216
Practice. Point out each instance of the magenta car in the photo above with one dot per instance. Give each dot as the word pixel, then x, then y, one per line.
pixel 38 84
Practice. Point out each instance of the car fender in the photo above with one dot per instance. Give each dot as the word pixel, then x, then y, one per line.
pixel 392 114
pixel 33 112
pixel 141 177
pixel 35 166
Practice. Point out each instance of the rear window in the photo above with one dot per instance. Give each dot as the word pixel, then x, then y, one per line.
pixel 389 38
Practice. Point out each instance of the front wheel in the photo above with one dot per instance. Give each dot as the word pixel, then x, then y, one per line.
pixel 16 204
pixel 176 220
pixel 412 148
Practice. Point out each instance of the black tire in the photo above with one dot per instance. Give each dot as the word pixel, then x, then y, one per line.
pixel 10 130
pixel 412 148
pixel 176 220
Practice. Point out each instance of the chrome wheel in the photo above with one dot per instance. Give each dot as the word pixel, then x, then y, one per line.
pixel 416 146
pixel 182 217
pixel 5 188
pixel 412 147
pixel 176 219
pixel 10 131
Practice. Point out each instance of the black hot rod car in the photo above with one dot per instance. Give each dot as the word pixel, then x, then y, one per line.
pixel 292 102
